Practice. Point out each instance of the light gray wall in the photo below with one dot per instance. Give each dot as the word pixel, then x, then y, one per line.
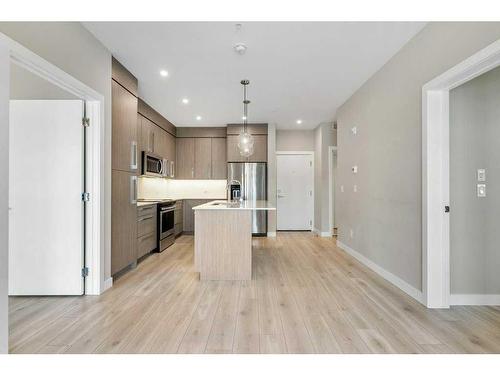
pixel 386 212
pixel 474 144
pixel 295 140
pixel 4 196
pixel 72 48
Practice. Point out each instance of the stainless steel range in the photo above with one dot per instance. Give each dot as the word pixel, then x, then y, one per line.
pixel 166 235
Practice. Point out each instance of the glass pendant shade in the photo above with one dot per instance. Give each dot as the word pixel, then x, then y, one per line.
pixel 245 144
pixel 245 139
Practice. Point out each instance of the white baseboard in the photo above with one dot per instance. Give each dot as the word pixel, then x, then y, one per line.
pixel 108 283
pixel 321 234
pixel 475 299
pixel 271 234
pixel 393 279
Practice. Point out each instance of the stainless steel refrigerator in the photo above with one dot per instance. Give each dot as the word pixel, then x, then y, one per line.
pixel 253 179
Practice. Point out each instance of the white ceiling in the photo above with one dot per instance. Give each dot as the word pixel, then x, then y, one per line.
pixel 297 70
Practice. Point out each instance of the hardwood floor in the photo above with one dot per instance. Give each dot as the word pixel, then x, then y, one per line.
pixel 306 296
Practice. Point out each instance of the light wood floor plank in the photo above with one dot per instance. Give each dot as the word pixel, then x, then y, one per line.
pixel 306 296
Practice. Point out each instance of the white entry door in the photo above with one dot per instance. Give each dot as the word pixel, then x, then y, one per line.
pixel 46 182
pixel 295 184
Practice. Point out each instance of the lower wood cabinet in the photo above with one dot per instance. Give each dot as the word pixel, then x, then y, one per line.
pixel 123 220
pixel 188 220
pixel 178 218
pixel 147 220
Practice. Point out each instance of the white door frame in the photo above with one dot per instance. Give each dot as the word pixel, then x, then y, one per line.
pixel 331 196
pixel 436 175
pixel 94 236
pixel 296 153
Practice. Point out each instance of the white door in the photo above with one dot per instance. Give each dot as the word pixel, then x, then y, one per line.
pixel 295 184
pixel 45 205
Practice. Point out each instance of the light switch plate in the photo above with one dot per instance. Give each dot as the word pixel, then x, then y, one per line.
pixel 355 188
pixel 355 169
pixel 354 130
pixel 481 175
pixel 481 190
pixel 341 188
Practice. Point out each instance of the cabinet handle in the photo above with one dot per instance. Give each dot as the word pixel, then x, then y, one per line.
pixel 172 173
pixel 133 155
pixel 146 236
pixel 192 172
pixel 145 218
pixel 153 142
pixel 133 189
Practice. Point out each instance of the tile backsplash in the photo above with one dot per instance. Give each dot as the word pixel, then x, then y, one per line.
pixel 160 188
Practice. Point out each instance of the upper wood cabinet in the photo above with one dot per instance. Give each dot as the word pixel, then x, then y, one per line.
pixel 184 158
pixel 201 158
pixel 219 159
pixel 120 74
pixel 155 139
pixel 125 153
pixel 259 154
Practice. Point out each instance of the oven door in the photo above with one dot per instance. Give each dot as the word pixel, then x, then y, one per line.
pixel 166 228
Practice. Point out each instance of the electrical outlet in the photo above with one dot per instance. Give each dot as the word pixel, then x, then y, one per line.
pixel 355 188
pixel 351 233
pixel 354 130
pixel 341 188
pixel 355 169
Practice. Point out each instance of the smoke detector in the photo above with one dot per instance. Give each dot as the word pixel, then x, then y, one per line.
pixel 240 48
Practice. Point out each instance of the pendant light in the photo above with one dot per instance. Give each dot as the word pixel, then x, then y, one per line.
pixel 245 140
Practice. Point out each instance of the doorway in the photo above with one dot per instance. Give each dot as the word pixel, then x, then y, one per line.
pixel 436 175
pixel 295 190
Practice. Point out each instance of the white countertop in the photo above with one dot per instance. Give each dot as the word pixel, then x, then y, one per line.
pixel 244 205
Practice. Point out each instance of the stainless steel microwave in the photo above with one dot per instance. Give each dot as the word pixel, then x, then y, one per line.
pixel 155 166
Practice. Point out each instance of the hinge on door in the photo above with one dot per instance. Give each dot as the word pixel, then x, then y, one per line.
pixel 446 208
pixel 310 222
pixel 310 193
pixel 85 197
pixel 86 121
pixel 85 271
pixel 310 163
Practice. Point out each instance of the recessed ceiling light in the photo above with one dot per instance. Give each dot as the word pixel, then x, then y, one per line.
pixel 299 122
pixel 185 100
pixel 198 118
pixel 244 118
pixel 163 73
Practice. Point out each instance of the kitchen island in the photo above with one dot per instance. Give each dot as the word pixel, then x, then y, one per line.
pixel 223 239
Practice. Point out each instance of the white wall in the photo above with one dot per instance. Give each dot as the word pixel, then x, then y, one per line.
pixel 4 195
pixel 386 212
pixel 73 49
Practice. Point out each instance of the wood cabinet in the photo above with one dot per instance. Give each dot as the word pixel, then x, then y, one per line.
pixel 219 159
pixel 201 158
pixel 147 218
pixel 188 220
pixel 125 153
pixel 184 158
pixel 260 149
pixel 123 220
pixel 178 218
